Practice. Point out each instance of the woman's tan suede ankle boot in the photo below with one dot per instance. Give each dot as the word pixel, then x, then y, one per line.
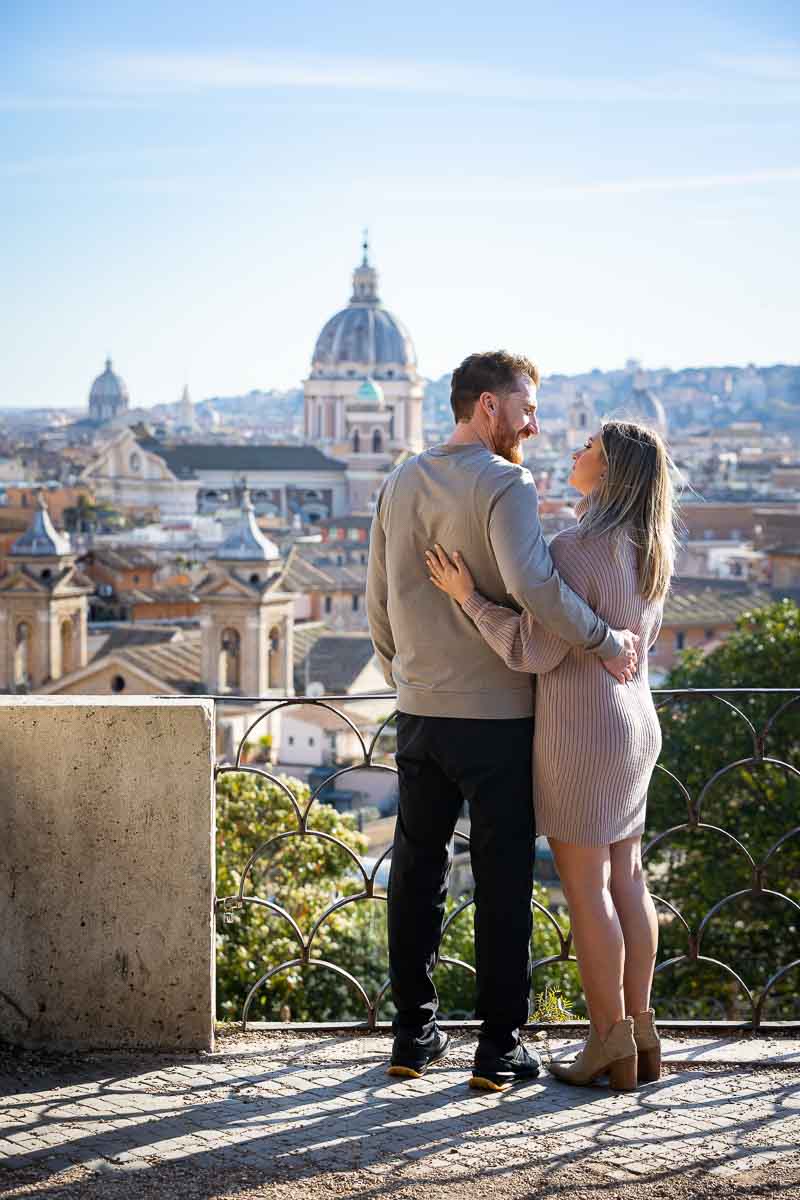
pixel 615 1056
pixel 648 1046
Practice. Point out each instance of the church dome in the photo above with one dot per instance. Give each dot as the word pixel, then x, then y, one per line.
pixel 646 407
pixel 370 394
pixel 246 542
pixel 633 401
pixel 364 337
pixel 109 386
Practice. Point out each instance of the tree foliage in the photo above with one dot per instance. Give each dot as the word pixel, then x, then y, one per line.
pixel 305 876
pixel 744 811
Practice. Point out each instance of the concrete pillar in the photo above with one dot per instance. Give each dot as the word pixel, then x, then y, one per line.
pixel 107 857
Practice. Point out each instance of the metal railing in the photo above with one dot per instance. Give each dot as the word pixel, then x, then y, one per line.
pixel 676 705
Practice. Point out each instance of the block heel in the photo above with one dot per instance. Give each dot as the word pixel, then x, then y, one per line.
pixel 622 1074
pixel 648 1045
pixel 649 1065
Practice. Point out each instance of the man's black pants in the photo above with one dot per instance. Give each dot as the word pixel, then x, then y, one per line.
pixel 441 762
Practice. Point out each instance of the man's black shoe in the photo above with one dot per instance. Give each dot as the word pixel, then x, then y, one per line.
pixel 411 1057
pixel 494 1072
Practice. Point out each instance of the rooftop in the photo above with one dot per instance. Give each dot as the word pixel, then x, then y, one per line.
pixel 334 659
pixel 186 461
pixel 705 601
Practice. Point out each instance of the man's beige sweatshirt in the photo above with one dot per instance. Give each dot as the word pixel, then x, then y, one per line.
pixel 468 499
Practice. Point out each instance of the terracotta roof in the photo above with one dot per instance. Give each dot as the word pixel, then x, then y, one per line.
pixel 178 662
pixel 308 572
pixel 709 602
pixel 177 595
pixel 132 635
pixel 124 558
pixel 323 718
pixel 186 461
pixel 335 660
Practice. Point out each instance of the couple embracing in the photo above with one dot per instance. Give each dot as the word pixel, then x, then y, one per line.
pixel 468 610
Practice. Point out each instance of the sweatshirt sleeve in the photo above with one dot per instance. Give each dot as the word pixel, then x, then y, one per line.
pixel 524 562
pixel 377 613
pixel 521 643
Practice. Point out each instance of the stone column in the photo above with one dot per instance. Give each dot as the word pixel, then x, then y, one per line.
pixel 107 808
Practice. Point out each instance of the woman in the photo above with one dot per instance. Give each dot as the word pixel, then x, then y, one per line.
pixel 596 741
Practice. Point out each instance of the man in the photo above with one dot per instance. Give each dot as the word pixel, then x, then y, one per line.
pixel 465 723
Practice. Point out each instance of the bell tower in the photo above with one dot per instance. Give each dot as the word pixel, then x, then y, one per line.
pixel 43 608
pixel 247 622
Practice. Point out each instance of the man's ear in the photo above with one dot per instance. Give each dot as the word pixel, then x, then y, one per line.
pixel 488 402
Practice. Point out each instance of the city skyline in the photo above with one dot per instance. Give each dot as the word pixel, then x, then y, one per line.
pixel 602 185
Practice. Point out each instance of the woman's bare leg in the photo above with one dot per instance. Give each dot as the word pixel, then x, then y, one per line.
pixel 637 916
pixel 585 873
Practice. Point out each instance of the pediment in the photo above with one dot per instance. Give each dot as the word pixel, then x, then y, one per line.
pixel 74 582
pixel 139 682
pixel 225 588
pixel 23 584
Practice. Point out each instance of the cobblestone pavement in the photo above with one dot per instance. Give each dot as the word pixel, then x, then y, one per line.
pixel 284 1116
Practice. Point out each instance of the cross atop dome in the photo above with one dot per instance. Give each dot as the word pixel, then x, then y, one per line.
pixel 365 278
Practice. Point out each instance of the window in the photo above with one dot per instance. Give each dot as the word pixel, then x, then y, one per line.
pixel 135 462
pixel 291 740
pixel 328 604
pixel 228 663
pixel 377 442
pixel 709 634
pixel 136 579
pixel 355 602
pixel 353 534
pixel 21 665
pixel 118 683
pixel 680 640
pixel 356 442
pixel 311 741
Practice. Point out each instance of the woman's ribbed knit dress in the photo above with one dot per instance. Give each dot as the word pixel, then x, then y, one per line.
pixel 596 741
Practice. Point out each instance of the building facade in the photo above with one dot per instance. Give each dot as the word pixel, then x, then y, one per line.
pixel 140 474
pixel 108 396
pixel 363 397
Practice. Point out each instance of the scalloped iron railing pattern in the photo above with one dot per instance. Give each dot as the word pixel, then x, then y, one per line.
pixel 787 958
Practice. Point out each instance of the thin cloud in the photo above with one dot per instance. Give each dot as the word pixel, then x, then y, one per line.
pixel 92 160
pixel 153 74
pixel 772 66
pixel 682 183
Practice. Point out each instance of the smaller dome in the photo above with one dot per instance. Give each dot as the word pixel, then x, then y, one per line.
pixel 370 394
pixel 109 386
pixel 41 539
pixel 246 542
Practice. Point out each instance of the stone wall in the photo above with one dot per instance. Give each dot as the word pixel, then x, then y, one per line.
pixel 106 872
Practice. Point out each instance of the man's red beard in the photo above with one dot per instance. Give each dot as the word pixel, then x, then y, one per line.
pixel 508 445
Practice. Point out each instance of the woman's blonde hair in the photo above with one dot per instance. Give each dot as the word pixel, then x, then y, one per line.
pixel 635 501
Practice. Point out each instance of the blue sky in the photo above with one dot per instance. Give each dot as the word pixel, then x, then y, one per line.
pixel 183 186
